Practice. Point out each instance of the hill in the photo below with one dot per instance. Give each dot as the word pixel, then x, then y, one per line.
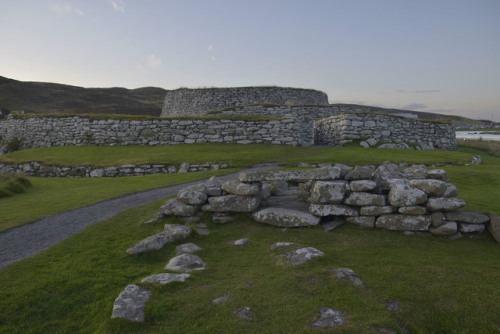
pixel 43 97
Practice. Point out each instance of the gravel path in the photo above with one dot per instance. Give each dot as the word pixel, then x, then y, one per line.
pixel 21 242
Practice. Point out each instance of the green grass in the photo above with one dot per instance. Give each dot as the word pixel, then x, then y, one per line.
pixel 241 155
pixel 491 146
pixel 442 286
pixel 13 184
pixel 49 196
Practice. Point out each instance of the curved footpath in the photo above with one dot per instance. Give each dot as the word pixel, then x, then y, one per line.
pixel 21 242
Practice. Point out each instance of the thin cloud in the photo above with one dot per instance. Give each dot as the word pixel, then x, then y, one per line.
pixel 118 5
pixel 421 91
pixel 210 48
pixel 63 8
pixel 153 61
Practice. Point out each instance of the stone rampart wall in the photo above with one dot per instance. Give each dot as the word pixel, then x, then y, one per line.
pixel 340 129
pixel 191 102
pixel 68 131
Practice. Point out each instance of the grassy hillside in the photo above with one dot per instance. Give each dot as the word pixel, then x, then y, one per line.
pixel 43 97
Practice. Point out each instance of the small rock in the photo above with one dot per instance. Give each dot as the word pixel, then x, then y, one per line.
pixel 186 262
pixel 278 245
pixel 392 306
pixel 130 303
pixel 220 300
pixel 302 255
pixel 172 232
pixel 241 242
pixel 165 278
pixel 187 248
pixel 346 273
pixel 244 313
pixel 329 318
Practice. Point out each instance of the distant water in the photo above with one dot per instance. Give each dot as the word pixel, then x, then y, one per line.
pixel 476 135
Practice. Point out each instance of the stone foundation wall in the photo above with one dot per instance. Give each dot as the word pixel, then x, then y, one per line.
pixel 68 131
pixel 343 128
pixel 192 102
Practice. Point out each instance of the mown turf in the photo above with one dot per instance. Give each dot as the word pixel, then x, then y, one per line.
pixel 241 155
pixel 442 286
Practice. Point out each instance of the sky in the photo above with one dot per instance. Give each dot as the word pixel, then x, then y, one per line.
pixel 427 55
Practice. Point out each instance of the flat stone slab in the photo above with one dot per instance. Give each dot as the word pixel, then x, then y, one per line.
pixel 155 242
pixel 467 217
pixel 328 318
pixel 302 255
pixel 278 245
pixel 187 248
pixel 130 303
pixel 327 173
pixel 233 203
pixel 323 210
pixel 238 188
pixel 186 262
pixel 445 204
pixel 397 222
pixel 220 300
pixel 285 217
pixel 165 278
pixel 346 273
pixel 241 242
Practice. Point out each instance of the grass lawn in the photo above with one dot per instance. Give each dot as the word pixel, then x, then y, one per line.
pixel 442 286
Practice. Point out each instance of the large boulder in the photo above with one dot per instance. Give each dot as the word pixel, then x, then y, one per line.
pixel 186 262
pixel 238 188
pixel 365 199
pixel 130 303
pixel 494 226
pixel 323 210
pixel 171 233
pixel 433 188
pixel 445 204
pixel 326 173
pixel 397 222
pixel 328 192
pixel 177 208
pixel 233 203
pixel 285 217
pixel 195 194
pixel 404 195
pixel 302 255
pixel 467 217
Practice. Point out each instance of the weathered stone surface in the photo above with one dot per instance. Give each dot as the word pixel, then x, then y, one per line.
pixel 376 210
pixel 365 199
pixel 328 192
pixel 433 188
pixel 438 219
pixel 278 245
pixel 177 208
pixel 244 313
pixel 266 190
pixel 130 303
pixel 194 195
pixel 362 185
pixel 467 217
pixel 445 204
pixel 447 228
pixel 494 226
pixel 329 318
pixel 472 228
pixel 438 174
pixel 213 186
pixel 238 188
pixel 302 255
pixel 346 273
pixel 362 221
pixel 323 210
pixel 397 222
pixel 360 173
pixel 165 278
pixel 220 300
pixel 404 195
pixel 292 175
pixel 451 190
pixel 413 210
pixel 416 172
pixel 171 233
pixel 186 262
pixel 234 203
pixel 398 146
pixel 241 242
pixel 187 248
pixel 184 168
pixel 99 172
pixel 392 306
pixel 285 217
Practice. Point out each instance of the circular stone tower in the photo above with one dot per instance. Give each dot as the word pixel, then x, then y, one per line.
pixel 194 102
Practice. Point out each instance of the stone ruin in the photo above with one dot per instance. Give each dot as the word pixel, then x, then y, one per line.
pixel 414 199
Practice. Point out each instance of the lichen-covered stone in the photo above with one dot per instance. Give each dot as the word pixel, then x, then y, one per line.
pixel 438 219
pixel 238 188
pixel 213 186
pixel 445 204
pixel 365 199
pixel 186 262
pixel 302 255
pixel 165 278
pixel 404 195
pixel 285 217
pixel 447 228
pixel 362 221
pixel 347 273
pixel 327 173
pixel 177 208
pixel 376 210
pixel 193 195
pixel 472 228
pixel 467 217
pixel 362 185
pixel 397 222
pixel 433 188
pixel 323 210
pixel 451 190
pixel 171 233
pixel 233 203
pixel 329 318
pixel 130 303
pixel 413 210
pixel 328 192
pixel 360 173
pixel 187 248
pixel 438 174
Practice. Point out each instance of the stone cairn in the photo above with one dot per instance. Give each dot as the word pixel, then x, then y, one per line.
pixel 412 200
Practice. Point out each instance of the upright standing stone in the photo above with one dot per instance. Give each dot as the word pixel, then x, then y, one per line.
pixel 130 303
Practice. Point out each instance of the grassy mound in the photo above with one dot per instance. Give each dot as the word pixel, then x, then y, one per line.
pixel 13 184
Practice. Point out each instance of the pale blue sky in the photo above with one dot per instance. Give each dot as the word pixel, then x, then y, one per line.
pixel 429 55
